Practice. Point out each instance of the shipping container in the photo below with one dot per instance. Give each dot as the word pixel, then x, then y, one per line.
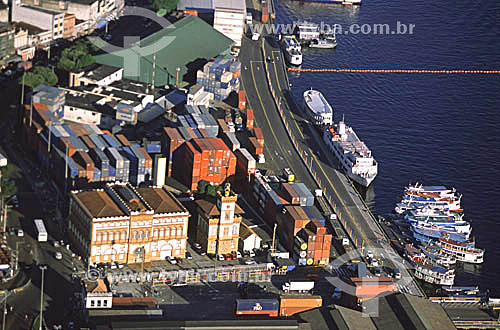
pixel 98 141
pixel 123 140
pixel 78 144
pixel 290 305
pixel 289 194
pixel 88 142
pixel 250 119
pixel 242 102
pixel 268 307
pixel 111 141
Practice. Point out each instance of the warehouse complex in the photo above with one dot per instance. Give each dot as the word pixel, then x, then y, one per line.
pixel 190 40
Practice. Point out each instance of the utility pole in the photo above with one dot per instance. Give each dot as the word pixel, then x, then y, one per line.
pixel 274 235
pixel 22 89
pixel 7 294
pixel 43 269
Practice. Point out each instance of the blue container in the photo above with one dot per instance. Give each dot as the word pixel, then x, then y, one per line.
pixel 112 171
pixel 78 144
pixel 153 148
pixel 98 141
pixel 111 141
pixel 69 130
pixel 97 174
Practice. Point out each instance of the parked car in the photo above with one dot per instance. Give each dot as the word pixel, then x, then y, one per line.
pixel 220 257
pixel 397 273
pixel 252 254
pixel 189 256
pixel 228 257
pixel 20 233
pixel 250 262
pixel 58 255
pixel 171 260
pixel 55 243
pixel 377 272
pixel 238 255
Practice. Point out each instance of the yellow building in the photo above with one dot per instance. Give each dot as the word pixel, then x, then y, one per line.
pixel 219 220
pixel 128 225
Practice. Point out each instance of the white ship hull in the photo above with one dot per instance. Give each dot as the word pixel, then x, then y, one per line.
pixel 363 181
pixel 294 59
pixel 319 111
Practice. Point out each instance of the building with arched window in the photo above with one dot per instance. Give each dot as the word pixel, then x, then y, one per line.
pixel 112 224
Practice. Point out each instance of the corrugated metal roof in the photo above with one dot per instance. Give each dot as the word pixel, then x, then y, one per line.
pixel 192 39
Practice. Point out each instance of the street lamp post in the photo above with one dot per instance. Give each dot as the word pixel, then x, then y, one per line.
pixel 7 293
pixel 43 269
pixel 177 77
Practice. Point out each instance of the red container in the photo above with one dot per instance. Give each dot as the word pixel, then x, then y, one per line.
pixel 265 15
pixel 88 142
pixel 242 102
pixel 258 134
pixel 250 120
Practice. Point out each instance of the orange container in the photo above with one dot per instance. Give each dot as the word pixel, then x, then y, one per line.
pixel 242 103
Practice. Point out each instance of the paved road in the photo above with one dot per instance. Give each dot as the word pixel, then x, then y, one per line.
pixel 358 221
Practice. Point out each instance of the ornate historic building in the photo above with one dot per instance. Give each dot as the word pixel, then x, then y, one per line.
pixel 128 225
pixel 218 229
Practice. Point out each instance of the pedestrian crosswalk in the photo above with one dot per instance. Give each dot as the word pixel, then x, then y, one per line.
pixel 403 288
pixel 342 272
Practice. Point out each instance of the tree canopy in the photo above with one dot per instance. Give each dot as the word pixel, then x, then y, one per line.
pixel 77 56
pixel 168 5
pixel 9 186
pixel 40 75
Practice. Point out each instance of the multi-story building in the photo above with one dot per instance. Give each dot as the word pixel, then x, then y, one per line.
pixel 128 225
pixel 69 26
pixel 84 10
pixel 7 49
pixel 46 19
pixel 218 227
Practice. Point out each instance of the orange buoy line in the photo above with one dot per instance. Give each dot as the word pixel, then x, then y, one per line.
pixel 398 71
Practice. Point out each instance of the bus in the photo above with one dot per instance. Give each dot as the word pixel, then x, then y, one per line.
pixel 42 232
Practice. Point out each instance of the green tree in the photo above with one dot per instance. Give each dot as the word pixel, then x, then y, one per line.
pixel 77 56
pixel 168 5
pixel 212 191
pixel 9 186
pixel 40 75
pixel 202 186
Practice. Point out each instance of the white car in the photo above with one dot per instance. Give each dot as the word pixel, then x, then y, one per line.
pixel 250 262
pixel 20 233
pixel 172 260
pixel 58 255
pixel 238 255
pixel 255 36
pixel 220 257
pixel 252 254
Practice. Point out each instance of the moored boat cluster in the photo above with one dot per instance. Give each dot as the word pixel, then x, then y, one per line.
pixel 440 235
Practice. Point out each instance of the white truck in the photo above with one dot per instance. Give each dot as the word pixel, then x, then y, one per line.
pixel 298 285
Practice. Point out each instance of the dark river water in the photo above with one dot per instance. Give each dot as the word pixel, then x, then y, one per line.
pixel 435 129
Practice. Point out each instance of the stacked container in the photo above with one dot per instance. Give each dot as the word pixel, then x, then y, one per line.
pixel 220 77
pixel 245 162
pixel 101 161
pixel 242 101
pixel 231 141
pixel 204 159
pixel 250 119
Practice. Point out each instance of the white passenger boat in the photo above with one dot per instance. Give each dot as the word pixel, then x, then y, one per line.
pixel 323 43
pixel 317 107
pixel 353 155
pixel 292 50
pixel 462 251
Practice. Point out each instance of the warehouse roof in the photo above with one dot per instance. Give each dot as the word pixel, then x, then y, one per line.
pixel 186 43
pixel 211 4
pixel 98 203
pixel 161 200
